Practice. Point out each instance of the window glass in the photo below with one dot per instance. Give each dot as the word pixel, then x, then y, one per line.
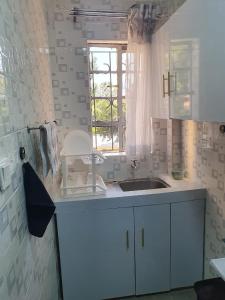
pixel 108 104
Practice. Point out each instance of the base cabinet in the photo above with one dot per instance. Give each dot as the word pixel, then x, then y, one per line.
pixel 97 253
pixel 152 249
pixel 187 242
pixel 114 253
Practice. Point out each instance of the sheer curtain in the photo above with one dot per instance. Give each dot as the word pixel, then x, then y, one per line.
pixel 139 132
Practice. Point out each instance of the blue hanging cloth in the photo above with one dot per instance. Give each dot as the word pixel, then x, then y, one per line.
pixel 40 207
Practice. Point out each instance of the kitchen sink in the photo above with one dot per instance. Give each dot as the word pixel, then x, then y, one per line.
pixel 142 184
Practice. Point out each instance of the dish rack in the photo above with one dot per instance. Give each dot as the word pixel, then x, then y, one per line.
pixel 79 176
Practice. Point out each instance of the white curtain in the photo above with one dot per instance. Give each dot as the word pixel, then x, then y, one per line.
pixel 139 132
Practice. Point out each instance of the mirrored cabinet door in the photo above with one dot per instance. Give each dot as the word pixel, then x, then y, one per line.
pixel 180 79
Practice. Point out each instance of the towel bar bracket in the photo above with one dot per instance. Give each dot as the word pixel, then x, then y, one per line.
pixel 29 129
pixel 22 153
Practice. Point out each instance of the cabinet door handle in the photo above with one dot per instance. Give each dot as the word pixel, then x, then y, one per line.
pixel 164 85
pixel 164 91
pixel 127 240
pixel 142 238
pixel 169 84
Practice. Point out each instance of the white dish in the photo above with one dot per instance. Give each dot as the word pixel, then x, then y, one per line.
pixel 77 142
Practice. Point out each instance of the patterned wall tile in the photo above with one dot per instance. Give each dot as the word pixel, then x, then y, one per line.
pixel 68 44
pixel 205 163
pixel 116 167
pixel 28 265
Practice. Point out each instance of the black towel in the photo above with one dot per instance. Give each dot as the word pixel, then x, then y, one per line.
pixel 40 207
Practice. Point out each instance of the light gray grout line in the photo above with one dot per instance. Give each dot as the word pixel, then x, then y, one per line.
pixel 13 132
pixel 11 196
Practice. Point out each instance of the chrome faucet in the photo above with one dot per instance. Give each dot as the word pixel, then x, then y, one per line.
pixel 134 163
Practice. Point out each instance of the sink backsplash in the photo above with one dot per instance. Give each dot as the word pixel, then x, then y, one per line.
pixel 116 167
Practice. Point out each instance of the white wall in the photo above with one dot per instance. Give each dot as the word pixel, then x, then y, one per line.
pixel 70 81
pixel 208 167
pixel 27 264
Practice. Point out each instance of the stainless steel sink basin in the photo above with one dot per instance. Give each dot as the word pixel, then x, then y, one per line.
pixel 142 184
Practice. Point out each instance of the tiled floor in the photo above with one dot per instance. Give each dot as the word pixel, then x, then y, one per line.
pixel 175 295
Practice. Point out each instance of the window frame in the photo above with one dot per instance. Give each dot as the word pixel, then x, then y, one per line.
pixel 121 123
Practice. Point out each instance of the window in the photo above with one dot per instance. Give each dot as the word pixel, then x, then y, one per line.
pixel 107 89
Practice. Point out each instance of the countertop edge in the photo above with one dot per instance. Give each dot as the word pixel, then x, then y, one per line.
pixel 220 270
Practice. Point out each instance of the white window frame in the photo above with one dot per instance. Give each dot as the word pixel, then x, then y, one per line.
pixel 121 124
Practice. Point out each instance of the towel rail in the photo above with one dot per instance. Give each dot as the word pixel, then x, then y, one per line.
pixel 29 129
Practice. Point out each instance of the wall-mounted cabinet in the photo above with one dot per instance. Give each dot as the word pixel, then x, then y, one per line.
pixel 113 253
pixel 195 39
pixel 160 71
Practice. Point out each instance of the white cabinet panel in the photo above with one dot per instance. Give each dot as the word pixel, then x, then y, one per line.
pixel 97 253
pixel 197 64
pixel 187 243
pixel 114 253
pixel 160 69
pixel 152 249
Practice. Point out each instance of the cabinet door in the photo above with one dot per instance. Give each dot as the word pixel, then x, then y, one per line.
pixel 185 40
pixel 187 241
pixel 97 253
pixel 181 79
pixel 152 249
pixel 184 63
pixel 160 68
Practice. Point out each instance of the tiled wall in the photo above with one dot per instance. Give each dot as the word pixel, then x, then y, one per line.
pixel 118 168
pixel 70 81
pixel 68 51
pixel 69 57
pixel 28 266
pixel 208 166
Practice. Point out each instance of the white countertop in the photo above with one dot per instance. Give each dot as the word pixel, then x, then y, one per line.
pixel 124 199
pixel 219 266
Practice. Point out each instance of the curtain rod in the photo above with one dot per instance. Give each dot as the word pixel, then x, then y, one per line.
pixel 75 12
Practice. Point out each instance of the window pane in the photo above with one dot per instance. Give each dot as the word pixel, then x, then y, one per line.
pixel 105 138
pixel 102 49
pixel 99 61
pixel 115 139
pixel 124 108
pixel 104 85
pixel 102 58
pixel 114 85
pixel 124 61
pixel 104 110
pixel 107 124
pixel 102 138
pixel 100 84
pixel 124 85
pixel 113 61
